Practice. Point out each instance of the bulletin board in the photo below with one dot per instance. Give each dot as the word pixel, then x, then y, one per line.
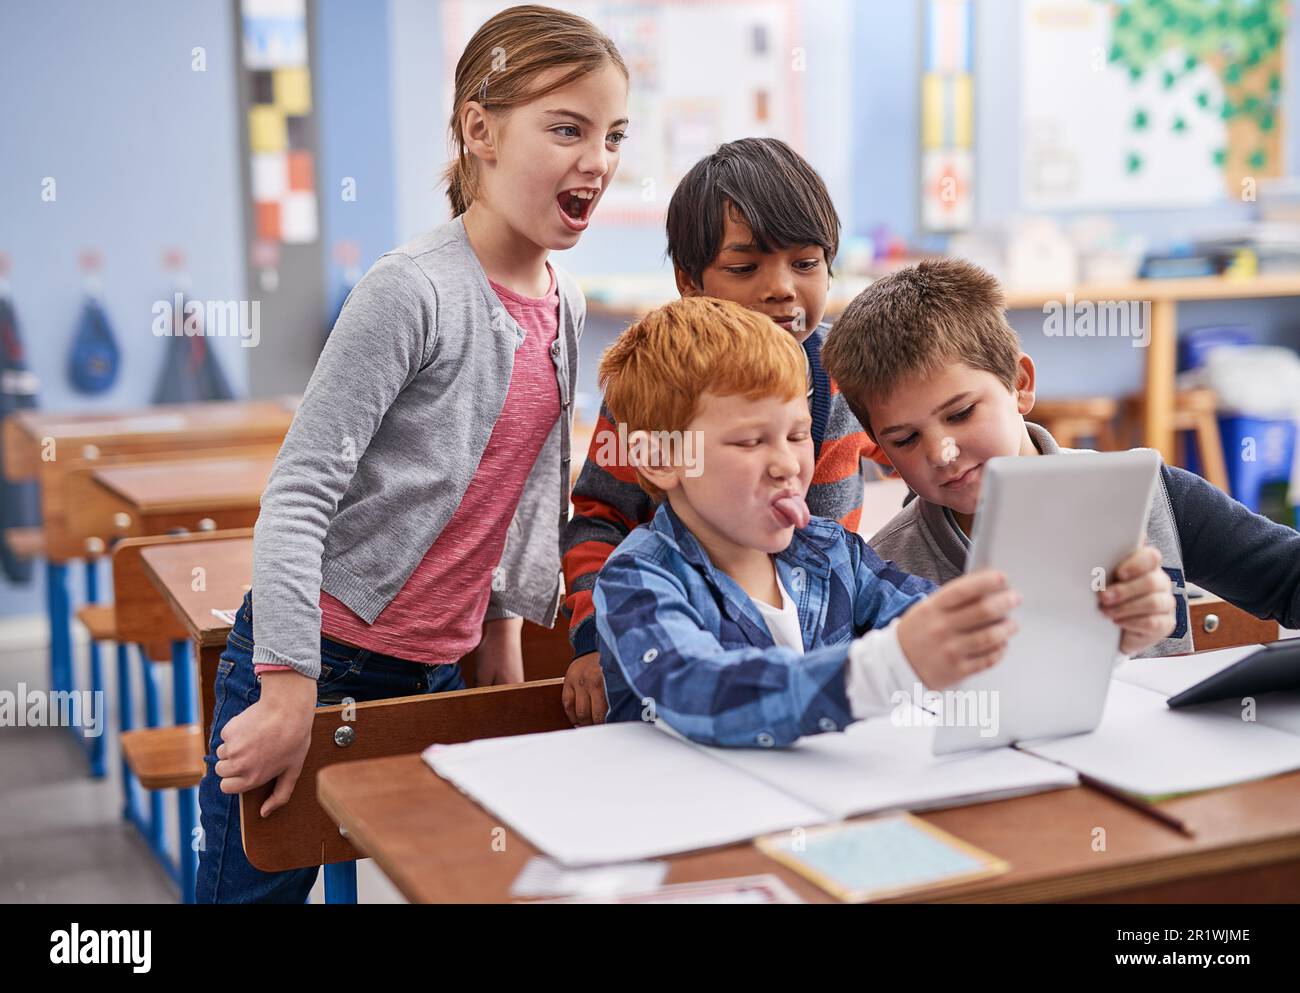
pixel 704 72
pixel 1149 102
pixel 947 115
pixel 282 166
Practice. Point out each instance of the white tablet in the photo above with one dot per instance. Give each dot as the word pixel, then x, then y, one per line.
pixel 1057 526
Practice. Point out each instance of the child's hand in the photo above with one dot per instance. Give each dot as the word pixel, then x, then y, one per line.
pixel 270 739
pixel 584 691
pixel 501 653
pixel 960 630
pixel 1140 601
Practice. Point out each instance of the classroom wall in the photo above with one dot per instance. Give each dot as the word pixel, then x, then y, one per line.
pixel 102 98
pixel 862 105
pixel 886 136
pixel 356 133
pixel 887 40
pixel 419 122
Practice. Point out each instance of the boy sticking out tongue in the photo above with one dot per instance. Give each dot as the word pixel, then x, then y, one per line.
pixel 734 615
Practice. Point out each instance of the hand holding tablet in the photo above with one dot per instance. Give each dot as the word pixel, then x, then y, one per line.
pixel 1057 526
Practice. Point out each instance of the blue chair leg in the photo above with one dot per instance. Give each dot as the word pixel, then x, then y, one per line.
pixel 151 719
pixel 59 607
pixel 187 800
pixel 96 744
pixel 125 722
pixel 341 882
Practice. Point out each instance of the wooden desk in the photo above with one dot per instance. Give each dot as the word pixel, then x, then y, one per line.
pixel 433 843
pixel 167 587
pixel 86 511
pixel 36 440
pixel 52 448
pixel 227 570
pixel 136 499
pixel 168 564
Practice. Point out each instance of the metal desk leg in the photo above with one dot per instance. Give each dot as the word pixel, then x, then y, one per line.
pixel 187 800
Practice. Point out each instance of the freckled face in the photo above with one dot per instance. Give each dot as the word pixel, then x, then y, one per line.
pixel 754 452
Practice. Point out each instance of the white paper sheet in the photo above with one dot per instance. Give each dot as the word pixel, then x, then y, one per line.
pixel 1279 711
pixel 615 793
pixel 618 792
pixel 1144 747
pixel 876 765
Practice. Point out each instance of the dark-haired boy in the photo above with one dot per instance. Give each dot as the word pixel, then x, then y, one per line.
pixel 752 223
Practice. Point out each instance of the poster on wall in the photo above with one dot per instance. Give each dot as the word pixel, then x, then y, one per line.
pixel 947 116
pixel 282 173
pixel 1149 102
pixel 678 113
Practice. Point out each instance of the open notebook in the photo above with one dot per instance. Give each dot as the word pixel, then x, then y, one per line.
pixel 619 792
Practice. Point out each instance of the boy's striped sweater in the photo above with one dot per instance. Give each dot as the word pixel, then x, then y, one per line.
pixel 608 503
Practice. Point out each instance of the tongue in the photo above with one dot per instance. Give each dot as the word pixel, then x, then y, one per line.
pixel 793 511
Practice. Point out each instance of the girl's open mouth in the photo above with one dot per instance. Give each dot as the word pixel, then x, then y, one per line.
pixel 575 207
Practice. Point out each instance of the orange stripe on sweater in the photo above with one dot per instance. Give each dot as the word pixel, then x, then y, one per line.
pixel 838 458
pixel 870 450
pixel 585 559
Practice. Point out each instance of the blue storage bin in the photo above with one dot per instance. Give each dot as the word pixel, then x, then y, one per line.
pixel 1272 445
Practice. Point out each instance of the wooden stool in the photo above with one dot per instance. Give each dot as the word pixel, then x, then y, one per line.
pixel 100 622
pixel 165 758
pixel 1195 414
pixel 1074 421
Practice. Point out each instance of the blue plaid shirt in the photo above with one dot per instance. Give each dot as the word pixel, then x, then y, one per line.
pixel 680 640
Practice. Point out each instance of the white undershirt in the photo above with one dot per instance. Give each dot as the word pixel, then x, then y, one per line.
pixel 782 621
pixel 877 667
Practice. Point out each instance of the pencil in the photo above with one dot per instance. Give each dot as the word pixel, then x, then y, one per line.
pixel 1137 803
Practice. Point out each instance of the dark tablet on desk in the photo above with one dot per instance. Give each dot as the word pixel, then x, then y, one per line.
pixel 1273 667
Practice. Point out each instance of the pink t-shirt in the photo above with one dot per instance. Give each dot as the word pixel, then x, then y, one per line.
pixel 437 616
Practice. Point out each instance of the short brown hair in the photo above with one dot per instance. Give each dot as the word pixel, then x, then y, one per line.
pixel 656 371
pixel 500 65
pixel 913 323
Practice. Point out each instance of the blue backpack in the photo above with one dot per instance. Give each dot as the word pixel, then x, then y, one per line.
pixel 92 364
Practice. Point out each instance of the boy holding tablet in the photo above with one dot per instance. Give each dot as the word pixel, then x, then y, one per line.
pixel 734 615
pixel 935 373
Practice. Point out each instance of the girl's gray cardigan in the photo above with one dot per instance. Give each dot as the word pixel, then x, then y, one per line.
pixel 390 432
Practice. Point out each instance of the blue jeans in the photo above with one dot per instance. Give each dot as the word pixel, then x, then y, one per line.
pixel 225 874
